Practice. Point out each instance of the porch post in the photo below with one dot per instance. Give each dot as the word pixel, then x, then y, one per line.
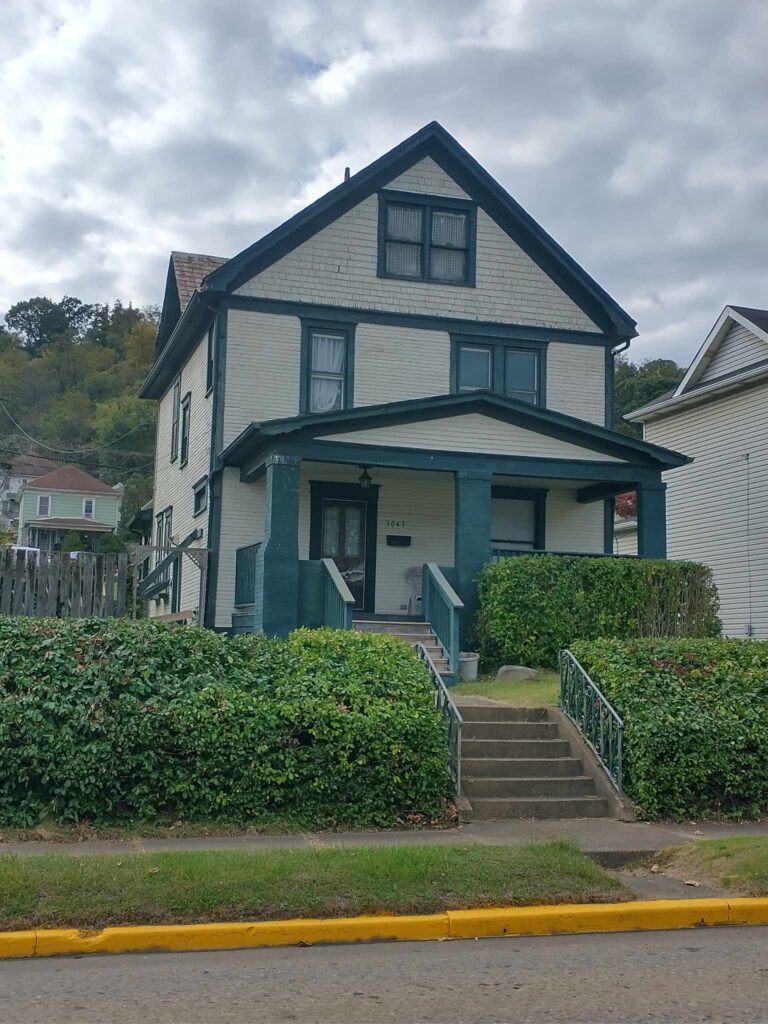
pixel 652 519
pixel 280 591
pixel 472 537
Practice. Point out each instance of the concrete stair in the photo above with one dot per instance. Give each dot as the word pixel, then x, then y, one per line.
pixel 516 764
pixel 413 632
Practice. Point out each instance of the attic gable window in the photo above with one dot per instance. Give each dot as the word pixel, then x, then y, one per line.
pixel 426 238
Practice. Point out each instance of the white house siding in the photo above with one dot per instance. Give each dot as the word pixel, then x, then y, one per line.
pixel 393 364
pixel 739 348
pixel 173 482
pixel 427 177
pixel 576 380
pixel 472 432
pixel 571 526
pixel 242 523
pixel 262 372
pixel 338 266
pixel 625 540
pixel 707 517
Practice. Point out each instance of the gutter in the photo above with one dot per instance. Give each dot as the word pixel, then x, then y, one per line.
pixel 645 413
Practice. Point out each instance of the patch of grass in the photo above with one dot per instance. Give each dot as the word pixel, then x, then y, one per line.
pixel 56 890
pixel 738 865
pixel 543 692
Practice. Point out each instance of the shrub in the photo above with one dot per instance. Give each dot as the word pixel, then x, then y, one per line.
pixel 532 606
pixel 695 721
pixel 115 719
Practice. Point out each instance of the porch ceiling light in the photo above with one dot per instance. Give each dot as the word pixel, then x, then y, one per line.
pixel 365 479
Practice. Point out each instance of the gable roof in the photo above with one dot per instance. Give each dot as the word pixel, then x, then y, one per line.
pixel 258 436
pixel 190 269
pixel 70 478
pixel 757 317
pixel 31 465
pixel 431 141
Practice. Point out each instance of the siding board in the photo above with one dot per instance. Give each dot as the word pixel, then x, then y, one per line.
pixel 739 348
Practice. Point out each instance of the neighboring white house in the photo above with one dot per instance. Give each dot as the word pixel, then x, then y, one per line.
pixel 718 505
pixel 625 537
pixel 15 474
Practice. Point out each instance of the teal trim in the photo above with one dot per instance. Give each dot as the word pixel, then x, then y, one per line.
pixel 200 488
pixel 508 410
pixel 215 474
pixel 428 204
pixel 209 364
pixel 609 386
pixel 472 538
pixel 320 490
pixel 432 140
pixel 652 519
pixel 280 600
pixel 498 348
pixel 186 335
pixel 442 607
pixel 186 426
pixel 308 325
pixel 311 594
pixel 171 310
pixel 176 419
pixel 609 512
pixel 154 576
pixel 597 492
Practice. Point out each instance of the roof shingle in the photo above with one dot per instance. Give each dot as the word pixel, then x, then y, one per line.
pixel 70 478
pixel 190 268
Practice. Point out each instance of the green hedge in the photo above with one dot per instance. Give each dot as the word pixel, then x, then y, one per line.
pixel 695 721
pixel 532 606
pixel 117 720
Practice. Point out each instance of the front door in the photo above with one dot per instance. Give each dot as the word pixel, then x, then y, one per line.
pixel 343 536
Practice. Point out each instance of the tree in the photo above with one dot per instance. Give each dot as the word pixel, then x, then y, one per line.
pixel 73 541
pixel 39 321
pixel 636 384
pixel 626 505
pixel 110 544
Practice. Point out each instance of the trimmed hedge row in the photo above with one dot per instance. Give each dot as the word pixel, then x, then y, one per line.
pixel 113 720
pixel 695 721
pixel 532 606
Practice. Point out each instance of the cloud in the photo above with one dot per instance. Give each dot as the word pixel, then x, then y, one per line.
pixel 634 132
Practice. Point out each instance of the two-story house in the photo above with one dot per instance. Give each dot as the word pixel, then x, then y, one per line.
pixel 408 372
pixel 67 500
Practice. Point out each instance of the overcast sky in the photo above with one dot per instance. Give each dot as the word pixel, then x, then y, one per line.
pixel 634 131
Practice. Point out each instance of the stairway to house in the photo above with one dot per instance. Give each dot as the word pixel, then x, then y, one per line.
pixel 516 764
pixel 413 632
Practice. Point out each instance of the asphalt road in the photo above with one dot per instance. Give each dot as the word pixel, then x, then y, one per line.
pixel 702 975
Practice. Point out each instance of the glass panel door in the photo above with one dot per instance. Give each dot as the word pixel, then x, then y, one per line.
pixel 343 540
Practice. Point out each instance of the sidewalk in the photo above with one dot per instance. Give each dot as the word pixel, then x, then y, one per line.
pixel 612 843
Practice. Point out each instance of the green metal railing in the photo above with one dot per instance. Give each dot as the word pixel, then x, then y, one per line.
pixel 338 601
pixel 497 553
pixel 591 712
pixel 440 605
pixel 245 575
pixel 452 719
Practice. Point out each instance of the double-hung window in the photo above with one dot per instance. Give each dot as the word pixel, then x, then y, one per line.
pixel 200 496
pixel 427 238
pixel 328 368
pixel 186 411
pixel 87 508
pixel 499 366
pixel 43 504
pixel 176 414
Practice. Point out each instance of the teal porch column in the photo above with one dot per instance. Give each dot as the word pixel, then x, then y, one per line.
pixel 280 600
pixel 472 544
pixel 652 519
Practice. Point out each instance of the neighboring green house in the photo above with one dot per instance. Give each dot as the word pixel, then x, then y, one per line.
pixel 405 380
pixel 67 500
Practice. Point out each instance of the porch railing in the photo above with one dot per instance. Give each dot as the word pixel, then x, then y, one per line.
pixel 440 605
pixel 338 600
pixel 245 575
pixel 593 715
pixel 497 553
pixel 452 719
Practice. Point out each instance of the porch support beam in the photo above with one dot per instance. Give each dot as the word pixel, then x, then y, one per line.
pixel 472 538
pixel 597 492
pixel 652 519
pixel 280 586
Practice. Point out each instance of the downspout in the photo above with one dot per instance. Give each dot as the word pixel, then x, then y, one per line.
pixel 609 505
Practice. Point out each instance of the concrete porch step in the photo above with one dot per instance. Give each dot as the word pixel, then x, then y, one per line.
pixel 514 748
pixel 486 809
pixel 510 731
pixel 408 627
pixel 508 788
pixel 498 713
pixel 520 767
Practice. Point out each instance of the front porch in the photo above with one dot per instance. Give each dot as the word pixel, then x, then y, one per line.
pixel 49 534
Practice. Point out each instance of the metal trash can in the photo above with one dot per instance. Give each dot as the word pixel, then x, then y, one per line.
pixel 468 663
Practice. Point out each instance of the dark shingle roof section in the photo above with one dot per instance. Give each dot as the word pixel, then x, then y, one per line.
pixel 759 317
pixel 70 478
pixel 190 268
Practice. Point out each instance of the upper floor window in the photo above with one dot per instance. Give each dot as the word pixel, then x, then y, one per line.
pixel 500 366
pixel 186 408
pixel 200 496
pixel 176 414
pixel 43 504
pixel 327 367
pixel 87 508
pixel 209 364
pixel 429 238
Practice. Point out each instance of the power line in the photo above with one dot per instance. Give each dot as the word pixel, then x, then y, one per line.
pixel 71 451
pixel 82 462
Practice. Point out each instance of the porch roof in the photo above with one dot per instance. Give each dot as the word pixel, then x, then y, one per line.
pixel 259 438
pixel 59 523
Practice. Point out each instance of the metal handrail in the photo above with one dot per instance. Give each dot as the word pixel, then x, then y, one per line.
pixel 338 600
pixel 593 715
pixel 497 553
pixel 452 719
pixel 440 606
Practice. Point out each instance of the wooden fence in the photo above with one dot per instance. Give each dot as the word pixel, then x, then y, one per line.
pixel 60 586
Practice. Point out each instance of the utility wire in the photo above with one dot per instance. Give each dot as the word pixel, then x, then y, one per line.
pixel 70 451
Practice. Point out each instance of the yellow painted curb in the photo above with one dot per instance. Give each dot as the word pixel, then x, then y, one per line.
pixel 453 924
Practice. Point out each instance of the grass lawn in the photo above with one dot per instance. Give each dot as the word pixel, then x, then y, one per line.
pixel 56 890
pixel 737 865
pixel 543 692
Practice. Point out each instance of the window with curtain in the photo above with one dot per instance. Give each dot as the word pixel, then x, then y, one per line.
pixel 426 239
pixel 327 371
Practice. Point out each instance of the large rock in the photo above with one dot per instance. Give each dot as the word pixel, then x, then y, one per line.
pixel 516 673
